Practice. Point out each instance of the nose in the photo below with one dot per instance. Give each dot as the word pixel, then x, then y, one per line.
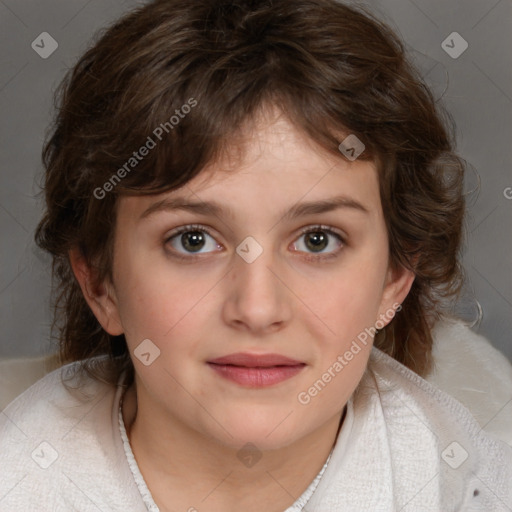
pixel 257 298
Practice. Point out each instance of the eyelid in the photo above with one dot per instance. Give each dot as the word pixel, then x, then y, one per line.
pixel 323 227
pixel 189 227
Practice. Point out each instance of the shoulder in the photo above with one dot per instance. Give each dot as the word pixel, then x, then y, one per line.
pixel 428 428
pixel 52 404
pixel 57 436
pixel 470 369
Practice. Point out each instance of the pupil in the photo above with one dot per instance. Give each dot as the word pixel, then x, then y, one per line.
pixel 193 240
pixel 316 240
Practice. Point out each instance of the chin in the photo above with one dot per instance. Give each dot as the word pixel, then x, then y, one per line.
pixel 270 433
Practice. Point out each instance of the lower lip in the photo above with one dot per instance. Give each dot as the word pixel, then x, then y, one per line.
pixel 256 377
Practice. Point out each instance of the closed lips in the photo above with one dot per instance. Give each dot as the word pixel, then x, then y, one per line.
pixel 256 360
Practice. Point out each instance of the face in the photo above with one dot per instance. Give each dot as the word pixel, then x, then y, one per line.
pixel 282 254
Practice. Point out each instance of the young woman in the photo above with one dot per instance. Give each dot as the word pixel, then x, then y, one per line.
pixel 255 212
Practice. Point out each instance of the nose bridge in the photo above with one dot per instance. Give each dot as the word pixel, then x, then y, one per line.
pixel 256 297
pixel 252 272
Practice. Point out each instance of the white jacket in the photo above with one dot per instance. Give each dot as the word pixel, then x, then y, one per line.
pixel 404 446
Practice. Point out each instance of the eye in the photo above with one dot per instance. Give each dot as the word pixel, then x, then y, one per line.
pixel 319 240
pixel 192 240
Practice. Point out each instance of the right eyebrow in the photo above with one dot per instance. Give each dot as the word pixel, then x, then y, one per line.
pixel 180 203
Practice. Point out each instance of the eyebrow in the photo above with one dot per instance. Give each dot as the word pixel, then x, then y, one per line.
pixel 213 208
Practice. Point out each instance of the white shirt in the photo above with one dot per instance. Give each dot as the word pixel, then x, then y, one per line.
pixel 404 446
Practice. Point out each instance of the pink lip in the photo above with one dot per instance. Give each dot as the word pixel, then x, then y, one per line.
pixel 255 360
pixel 256 370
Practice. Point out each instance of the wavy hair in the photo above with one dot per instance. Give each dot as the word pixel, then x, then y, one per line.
pixel 329 67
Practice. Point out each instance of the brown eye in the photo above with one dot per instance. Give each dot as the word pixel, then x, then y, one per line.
pixel 316 241
pixel 192 240
pixel 319 241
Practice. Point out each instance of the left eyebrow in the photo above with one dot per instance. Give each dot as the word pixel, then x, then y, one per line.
pixel 324 206
pixel 213 208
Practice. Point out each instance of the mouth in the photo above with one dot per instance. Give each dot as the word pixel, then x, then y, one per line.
pixel 256 371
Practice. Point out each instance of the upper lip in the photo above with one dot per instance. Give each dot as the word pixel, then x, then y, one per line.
pixel 255 360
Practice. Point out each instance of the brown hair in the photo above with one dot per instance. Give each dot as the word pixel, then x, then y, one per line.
pixel 330 68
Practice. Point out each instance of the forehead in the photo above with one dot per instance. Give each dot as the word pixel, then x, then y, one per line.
pixel 267 165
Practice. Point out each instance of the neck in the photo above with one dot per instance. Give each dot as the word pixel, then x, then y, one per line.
pixel 183 467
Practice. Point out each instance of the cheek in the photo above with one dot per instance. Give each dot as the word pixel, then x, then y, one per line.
pixel 160 304
pixel 349 307
pixel 349 300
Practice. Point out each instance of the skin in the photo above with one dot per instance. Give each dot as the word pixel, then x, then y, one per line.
pixel 185 422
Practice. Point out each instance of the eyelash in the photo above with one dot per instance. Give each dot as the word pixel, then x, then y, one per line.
pixel 305 231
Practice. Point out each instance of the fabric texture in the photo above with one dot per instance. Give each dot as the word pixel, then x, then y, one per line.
pixel 404 445
pixel 471 370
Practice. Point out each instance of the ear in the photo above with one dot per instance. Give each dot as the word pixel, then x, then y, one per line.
pixel 100 296
pixel 396 287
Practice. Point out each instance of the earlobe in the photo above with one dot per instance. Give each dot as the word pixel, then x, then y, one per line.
pixel 100 296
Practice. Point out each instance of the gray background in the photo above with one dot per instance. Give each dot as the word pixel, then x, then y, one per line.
pixel 475 87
